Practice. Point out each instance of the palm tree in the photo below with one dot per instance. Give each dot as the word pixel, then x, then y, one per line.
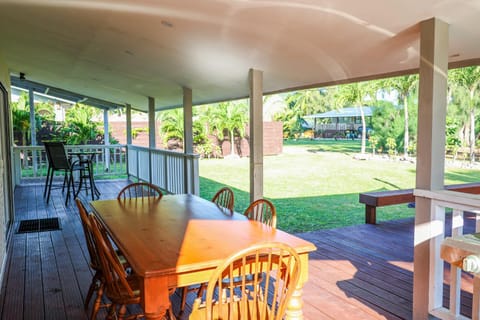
pixel 305 102
pixel 405 87
pixel 356 94
pixel 468 79
pixel 230 116
pixel 171 124
pixel 79 128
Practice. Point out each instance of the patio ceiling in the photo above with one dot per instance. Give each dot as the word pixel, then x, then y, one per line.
pixel 125 51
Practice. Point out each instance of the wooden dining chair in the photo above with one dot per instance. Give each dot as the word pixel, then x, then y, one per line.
pixel 262 210
pixel 98 282
pixel 278 262
pixel 121 288
pixel 143 190
pixel 224 198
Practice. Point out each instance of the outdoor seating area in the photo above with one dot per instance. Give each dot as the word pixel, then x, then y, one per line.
pixel 346 277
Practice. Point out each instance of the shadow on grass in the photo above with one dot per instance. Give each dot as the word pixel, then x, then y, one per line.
pixel 302 214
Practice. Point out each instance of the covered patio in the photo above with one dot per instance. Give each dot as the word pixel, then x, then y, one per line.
pixel 153 56
pixel 47 273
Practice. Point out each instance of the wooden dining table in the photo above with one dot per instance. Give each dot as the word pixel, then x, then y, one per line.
pixel 181 239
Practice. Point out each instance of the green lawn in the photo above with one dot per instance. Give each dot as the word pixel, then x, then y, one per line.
pixel 315 184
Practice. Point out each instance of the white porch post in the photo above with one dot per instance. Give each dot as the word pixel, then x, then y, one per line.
pixel 187 121
pixel 152 130
pixel 256 134
pixel 33 130
pixel 430 161
pixel 129 123
pixel 106 139
pixel 191 179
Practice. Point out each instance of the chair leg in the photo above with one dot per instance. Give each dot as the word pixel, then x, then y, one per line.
pixel 46 181
pixel 65 180
pixel 98 301
pixel 94 286
pixel 50 185
pixel 184 298
pixel 72 184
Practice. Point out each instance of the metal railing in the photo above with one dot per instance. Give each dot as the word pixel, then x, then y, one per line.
pixel 457 203
pixel 174 172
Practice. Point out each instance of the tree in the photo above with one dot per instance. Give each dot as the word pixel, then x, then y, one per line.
pixel 21 117
pixel 171 124
pixel 79 127
pixel 468 79
pixel 357 94
pixel 300 104
pixel 229 116
pixel 405 86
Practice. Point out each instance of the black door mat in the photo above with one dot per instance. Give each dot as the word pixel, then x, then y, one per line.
pixel 39 225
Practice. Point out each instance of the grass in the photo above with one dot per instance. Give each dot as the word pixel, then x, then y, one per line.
pixel 315 184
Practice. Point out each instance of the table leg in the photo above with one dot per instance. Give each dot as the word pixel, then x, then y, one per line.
pixel 295 304
pixel 155 298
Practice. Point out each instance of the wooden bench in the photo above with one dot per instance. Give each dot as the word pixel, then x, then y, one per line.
pixel 372 200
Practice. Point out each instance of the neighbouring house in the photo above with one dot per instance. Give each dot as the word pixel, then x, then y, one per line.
pixel 342 122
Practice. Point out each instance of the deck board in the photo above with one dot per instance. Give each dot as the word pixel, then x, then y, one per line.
pixel 358 272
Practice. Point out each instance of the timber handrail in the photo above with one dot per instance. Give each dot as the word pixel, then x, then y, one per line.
pixel 375 199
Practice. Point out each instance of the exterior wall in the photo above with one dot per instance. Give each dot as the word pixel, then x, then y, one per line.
pixel 272 137
pixel 5 197
pixel 272 141
pixel 119 132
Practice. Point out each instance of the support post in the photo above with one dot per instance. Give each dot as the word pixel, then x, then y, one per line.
pixel 152 130
pixel 188 141
pixel 129 123
pixel 129 134
pixel 256 134
pixel 430 163
pixel 106 139
pixel 187 121
pixel 33 131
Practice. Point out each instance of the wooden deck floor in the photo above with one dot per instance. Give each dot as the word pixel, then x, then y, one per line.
pixel 359 272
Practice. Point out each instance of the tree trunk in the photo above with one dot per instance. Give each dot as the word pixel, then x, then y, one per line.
pixel 472 135
pixel 406 135
pixel 232 137
pixel 364 131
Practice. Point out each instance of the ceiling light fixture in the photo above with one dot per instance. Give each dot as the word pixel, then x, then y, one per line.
pixel 167 24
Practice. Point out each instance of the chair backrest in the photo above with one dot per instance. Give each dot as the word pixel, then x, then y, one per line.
pixel 113 271
pixel 56 154
pixel 224 198
pixel 142 190
pixel 262 210
pixel 89 238
pixel 280 265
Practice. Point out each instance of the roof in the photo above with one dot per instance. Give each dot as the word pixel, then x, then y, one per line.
pixel 345 112
pixel 124 51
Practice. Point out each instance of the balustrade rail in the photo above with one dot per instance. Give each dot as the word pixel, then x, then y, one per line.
pixel 174 172
pixel 457 203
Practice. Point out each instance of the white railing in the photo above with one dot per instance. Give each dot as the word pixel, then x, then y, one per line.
pixel 172 171
pixel 30 162
pixel 458 203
